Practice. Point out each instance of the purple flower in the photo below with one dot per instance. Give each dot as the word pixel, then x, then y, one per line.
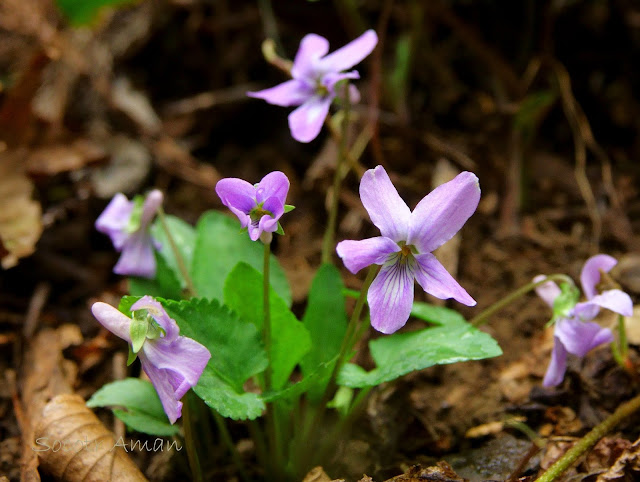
pixel 404 249
pixel 127 223
pixel 315 75
pixel 173 363
pixel 574 331
pixel 258 207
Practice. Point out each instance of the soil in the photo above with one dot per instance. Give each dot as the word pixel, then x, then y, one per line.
pixel 539 99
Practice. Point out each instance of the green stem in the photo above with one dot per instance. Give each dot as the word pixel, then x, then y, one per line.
pixel 225 436
pixel 190 442
pixel 482 318
pixel 317 411
pixel 266 310
pixel 622 334
pixel 329 234
pixel 589 440
pixel 191 290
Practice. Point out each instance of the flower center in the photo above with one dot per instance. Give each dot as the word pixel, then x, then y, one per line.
pixel 256 214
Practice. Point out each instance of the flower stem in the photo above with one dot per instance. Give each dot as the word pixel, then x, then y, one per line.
pixel 316 413
pixel 266 310
pixel 190 290
pixel 225 436
pixel 589 440
pixel 329 234
pixel 190 442
pixel 482 318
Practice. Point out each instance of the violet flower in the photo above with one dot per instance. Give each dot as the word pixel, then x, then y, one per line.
pixel 315 75
pixel 127 223
pixel 258 207
pixel 404 249
pixel 574 332
pixel 173 363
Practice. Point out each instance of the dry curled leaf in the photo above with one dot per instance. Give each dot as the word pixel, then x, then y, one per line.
pixel 74 445
pixel 20 216
pixel 626 467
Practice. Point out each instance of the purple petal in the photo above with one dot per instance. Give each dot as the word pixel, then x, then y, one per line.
pixel 254 231
pixel 351 54
pixel 442 212
pixel 273 188
pixel 160 380
pixel 291 92
pixel 152 203
pixel 114 220
pixel 236 193
pixel 586 311
pixel 590 275
pixel 614 300
pixel 184 359
pixel 359 254
pixel 306 121
pixel 557 366
pixel 386 208
pixel 268 224
pixel 548 291
pixel 331 79
pixel 312 47
pixel 579 337
pixel 390 297
pixel 159 314
pixel 113 320
pixel 137 258
pixel 436 280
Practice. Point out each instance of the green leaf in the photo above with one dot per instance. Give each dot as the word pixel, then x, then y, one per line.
pixel 138 329
pixel 165 284
pixel 84 11
pixel 184 238
pixel 326 320
pixel 126 302
pixel 144 411
pixel 401 353
pixel 438 315
pixel 288 208
pixel 290 339
pixel 219 247
pixel 236 355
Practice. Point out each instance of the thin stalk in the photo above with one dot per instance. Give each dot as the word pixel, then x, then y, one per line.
pixel 589 440
pixel 482 318
pixel 317 412
pixel 329 234
pixel 225 436
pixel 266 310
pixel 191 290
pixel 189 439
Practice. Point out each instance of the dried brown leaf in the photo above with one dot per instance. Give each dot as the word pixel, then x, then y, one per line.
pixel 56 158
pixel 86 450
pixel 20 216
pixel 440 473
pixel 626 467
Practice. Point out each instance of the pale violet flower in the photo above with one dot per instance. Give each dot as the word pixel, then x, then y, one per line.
pixel 258 207
pixel 574 332
pixel 127 223
pixel 315 75
pixel 408 238
pixel 173 363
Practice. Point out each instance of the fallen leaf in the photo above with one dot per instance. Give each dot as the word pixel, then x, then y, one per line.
pixel 73 444
pixel 626 467
pixel 440 473
pixel 56 158
pixel 20 216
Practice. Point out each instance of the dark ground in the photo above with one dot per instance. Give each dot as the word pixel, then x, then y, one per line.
pixel 539 98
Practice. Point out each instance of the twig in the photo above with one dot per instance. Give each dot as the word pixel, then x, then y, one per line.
pixel 36 303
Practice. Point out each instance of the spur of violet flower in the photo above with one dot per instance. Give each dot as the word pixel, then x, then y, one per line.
pixel 173 363
pixel 404 249
pixel 574 332
pixel 315 75
pixel 127 223
pixel 258 207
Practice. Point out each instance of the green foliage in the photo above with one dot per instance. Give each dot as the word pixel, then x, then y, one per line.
pixel 290 340
pixel 143 409
pixel 395 355
pixel 84 11
pixel 219 247
pixel 184 237
pixel 236 355
pixel 165 285
pixel 326 320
